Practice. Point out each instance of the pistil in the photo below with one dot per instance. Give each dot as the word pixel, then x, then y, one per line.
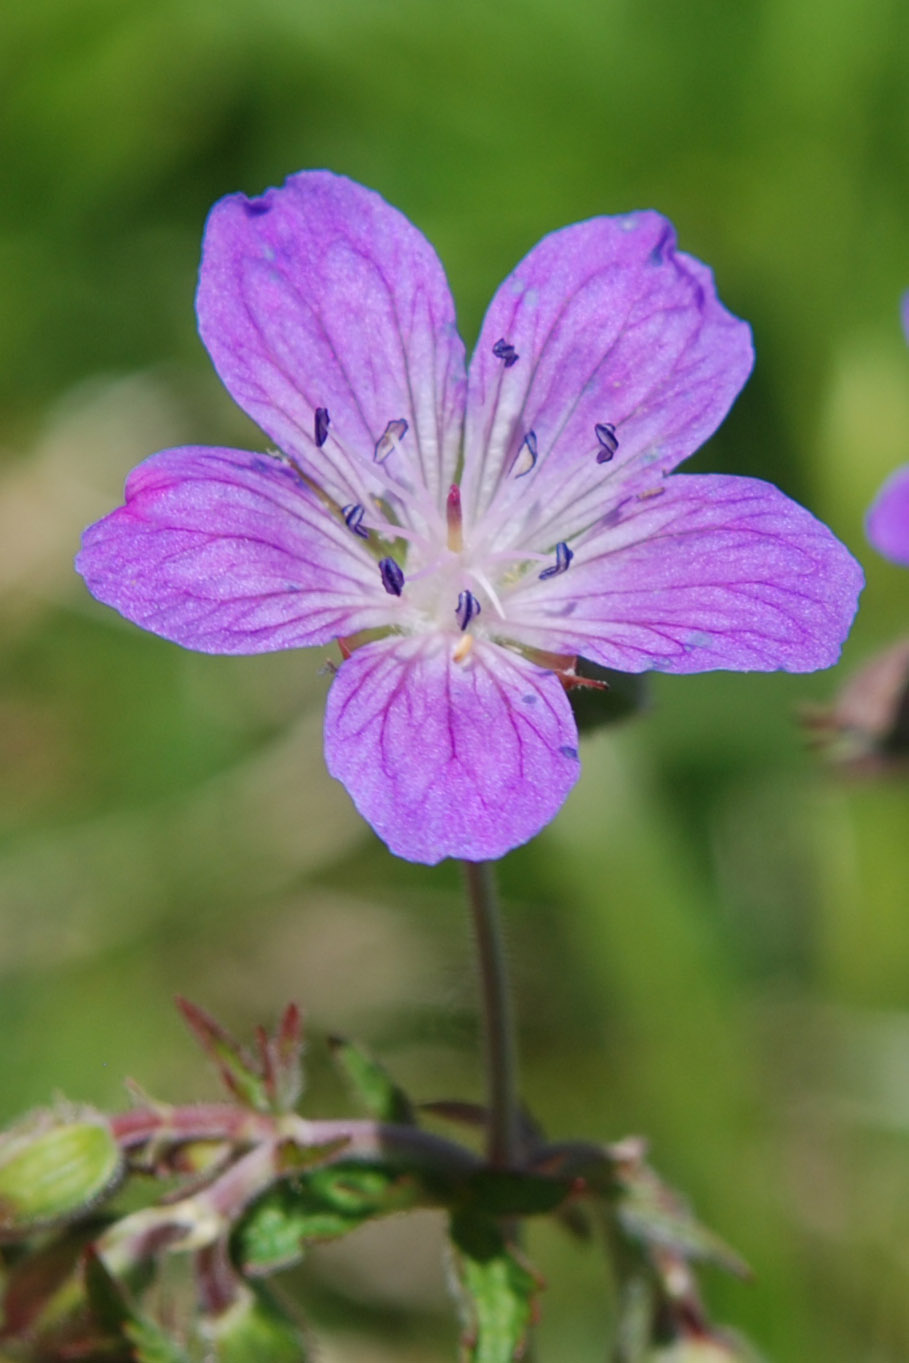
pixel 454 519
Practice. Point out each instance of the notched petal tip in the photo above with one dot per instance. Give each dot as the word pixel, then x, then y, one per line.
pixel 622 336
pixel 319 295
pixel 256 208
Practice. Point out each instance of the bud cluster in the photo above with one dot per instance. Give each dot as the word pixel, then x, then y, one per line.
pixel 247 1183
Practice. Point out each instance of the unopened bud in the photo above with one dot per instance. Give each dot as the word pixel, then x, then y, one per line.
pixel 53 1167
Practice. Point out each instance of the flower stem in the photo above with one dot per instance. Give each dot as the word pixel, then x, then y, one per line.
pixel 501 1065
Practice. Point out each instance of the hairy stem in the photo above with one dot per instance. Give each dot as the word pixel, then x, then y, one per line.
pixel 501 1067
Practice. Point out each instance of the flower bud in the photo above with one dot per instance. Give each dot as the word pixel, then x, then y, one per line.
pixel 54 1166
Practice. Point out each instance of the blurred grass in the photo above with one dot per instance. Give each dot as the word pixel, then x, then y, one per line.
pixel 711 944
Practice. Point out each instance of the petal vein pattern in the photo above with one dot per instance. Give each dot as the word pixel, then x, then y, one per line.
pixel 446 759
pixel 718 572
pixel 613 325
pixel 326 297
pixel 226 552
pixel 459 533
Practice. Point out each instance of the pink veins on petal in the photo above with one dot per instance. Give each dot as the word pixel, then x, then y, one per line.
pixel 487 524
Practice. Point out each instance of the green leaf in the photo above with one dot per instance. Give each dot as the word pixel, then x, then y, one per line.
pixel 320 1205
pixel 106 1298
pixel 256 1329
pixel 151 1344
pixel 497 1291
pixel 371 1083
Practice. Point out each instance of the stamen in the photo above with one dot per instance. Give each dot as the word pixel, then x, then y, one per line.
pixel 462 648
pixel 504 350
pixel 564 555
pixel 454 519
pixel 390 439
pixel 608 441
pixel 468 607
pixel 353 519
pixel 526 457
pixel 323 421
pixel 392 576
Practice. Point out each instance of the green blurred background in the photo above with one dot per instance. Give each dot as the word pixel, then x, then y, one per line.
pixel 711 943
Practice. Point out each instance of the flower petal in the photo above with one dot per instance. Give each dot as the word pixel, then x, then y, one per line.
pixel 714 572
pixel 612 327
pixel 229 552
pixel 888 519
pixel 322 296
pixel 449 759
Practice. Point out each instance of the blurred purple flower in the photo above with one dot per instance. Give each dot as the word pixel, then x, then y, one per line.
pixel 465 533
pixel 888 518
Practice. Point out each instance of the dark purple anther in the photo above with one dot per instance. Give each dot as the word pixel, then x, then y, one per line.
pixel 468 607
pixel 564 555
pixel 608 441
pixel 526 456
pixel 390 438
pixel 392 576
pixel 504 350
pixel 323 421
pixel 353 519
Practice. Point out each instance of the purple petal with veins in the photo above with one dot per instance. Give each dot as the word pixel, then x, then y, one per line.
pixel 326 296
pixel 226 552
pixel 605 359
pixel 718 572
pixel 449 759
pixel 610 319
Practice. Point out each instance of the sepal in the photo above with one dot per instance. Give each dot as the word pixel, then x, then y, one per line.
pixel 269 1081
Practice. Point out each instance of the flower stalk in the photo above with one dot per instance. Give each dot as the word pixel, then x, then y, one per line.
pixel 503 1139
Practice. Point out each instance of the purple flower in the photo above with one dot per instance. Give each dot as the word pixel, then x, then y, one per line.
pixel 888 518
pixel 465 533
